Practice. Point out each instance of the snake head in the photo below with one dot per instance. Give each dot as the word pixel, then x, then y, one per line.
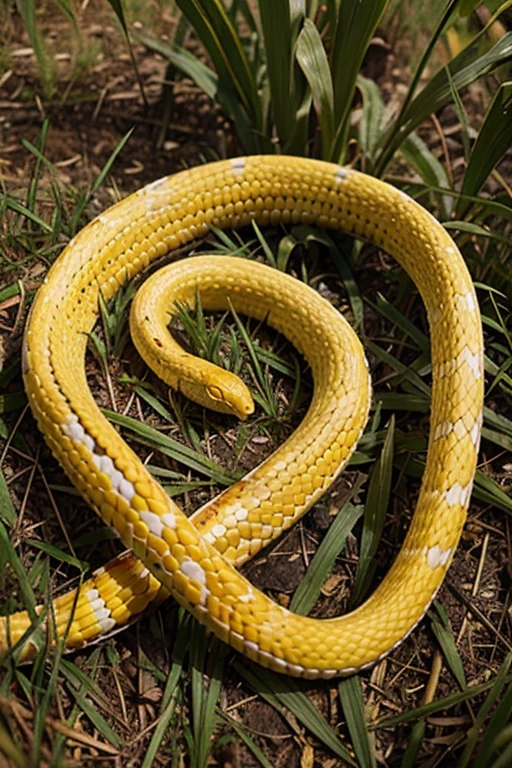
pixel 219 390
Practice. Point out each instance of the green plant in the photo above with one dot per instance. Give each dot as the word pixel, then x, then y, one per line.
pixel 288 74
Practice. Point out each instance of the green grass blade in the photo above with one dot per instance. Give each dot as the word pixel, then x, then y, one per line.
pixel 497 420
pixel 356 23
pixel 222 41
pixel 352 702
pixel 88 708
pixel 406 371
pixel 393 136
pixel 494 139
pixel 397 401
pixel 323 561
pixel 431 170
pixel 18 207
pixel 110 162
pixel 265 397
pixel 117 7
pixel 81 681
pixel 369 129
pixel 440 705
pixel 173 448
pixel 390 312
pixel 9 555
pixel 307 236
pixel 312 58
pixel 281 691
pixel 464 69
pixel 67 9
pixel 59 554
pixel 7 512
pixel 466 6
pixel 442 630
pixel 458 105
pixel 28 11
pixel 410 757
pixel 377 501
pixel 486 489
pixel 39 155
pixel 505 758
pixel 204 77
pixel 280 29
pixel 504 441
pixel 204 699
pixel 497 684
pixel 154 402
pixel 168 703
pixel 269 255
pixel 476 229
pixel 243 736
pixel 85 199
pixel 498 722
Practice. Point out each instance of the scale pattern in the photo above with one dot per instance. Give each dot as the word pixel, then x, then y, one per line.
pixel 193 559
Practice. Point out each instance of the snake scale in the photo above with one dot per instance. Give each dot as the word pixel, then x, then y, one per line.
pixel 194 559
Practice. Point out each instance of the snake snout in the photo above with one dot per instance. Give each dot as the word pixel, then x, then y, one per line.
pixel 230 394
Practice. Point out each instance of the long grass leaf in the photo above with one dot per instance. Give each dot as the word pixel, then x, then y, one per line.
pixel 10 751
pixel 280 29
pixel 168 703
pixel 409 110
pixel 204 699
pixel 392 134
pixel 204 77
pixel 431 170
pixel 87 707
pixel 352 702
pixel 389 311
pixel 494 139
pixel 280 691
pixel 117 7
pixel 7 511
pixel 464 69
pixel 369 129
pixel 222 41
pixel 322 563
pixel 356 24
pixel 98 181
pixel 410 757
pixel 476 229
pixel 498 722
pixel 243 736
pixel 18 207
pixel 442 630
pixel 9 555
pixel 28 11
pixel 173 448
pixel 377 501
pixel 439 705
pixel 406 371
pixel 59 554
pixel 312 58
pixel 492 697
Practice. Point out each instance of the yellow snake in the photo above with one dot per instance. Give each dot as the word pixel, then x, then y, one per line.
pixel 194 559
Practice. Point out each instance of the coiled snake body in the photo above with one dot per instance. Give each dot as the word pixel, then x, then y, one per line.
pixel 193 559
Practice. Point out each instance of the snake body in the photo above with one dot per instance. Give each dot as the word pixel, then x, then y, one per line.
pixel 193 559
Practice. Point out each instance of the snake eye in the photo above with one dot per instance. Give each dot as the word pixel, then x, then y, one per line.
pixel 214 392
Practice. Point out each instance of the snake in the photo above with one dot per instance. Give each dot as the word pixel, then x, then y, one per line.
pixel 195 559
